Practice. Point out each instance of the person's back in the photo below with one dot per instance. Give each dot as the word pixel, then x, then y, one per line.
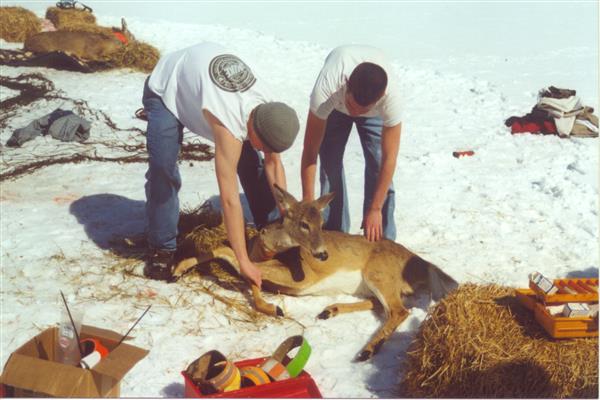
pixel 207 77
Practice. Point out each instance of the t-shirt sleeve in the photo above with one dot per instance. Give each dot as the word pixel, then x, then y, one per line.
pixel 321 98
pixel 391 109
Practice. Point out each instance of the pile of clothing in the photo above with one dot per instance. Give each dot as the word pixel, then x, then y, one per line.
pixel 559 112
pixel 63 125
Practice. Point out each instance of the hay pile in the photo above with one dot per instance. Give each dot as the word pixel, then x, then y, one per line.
pixel 136 55
pixel 70 19
pixel 480 342
pixel 17 24
pixel 202 230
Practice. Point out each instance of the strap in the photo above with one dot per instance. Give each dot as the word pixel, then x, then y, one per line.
pixel 275 369
pixel 253 376
pixel 212 369
pixel 293 367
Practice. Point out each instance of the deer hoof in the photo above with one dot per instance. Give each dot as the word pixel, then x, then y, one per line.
pixel 329 312
pixel 279 311
pixel 364 355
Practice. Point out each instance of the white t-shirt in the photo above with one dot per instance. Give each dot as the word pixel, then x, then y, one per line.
pixel 330 88
pixel 207 76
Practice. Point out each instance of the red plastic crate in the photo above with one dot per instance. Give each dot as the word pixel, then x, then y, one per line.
pixel 302 386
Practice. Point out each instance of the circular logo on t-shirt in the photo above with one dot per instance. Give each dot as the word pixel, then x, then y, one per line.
pixel 230 73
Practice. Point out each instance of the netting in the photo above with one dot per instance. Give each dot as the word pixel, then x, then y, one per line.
pixel 34 94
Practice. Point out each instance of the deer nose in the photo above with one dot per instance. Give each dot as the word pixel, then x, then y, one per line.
pixel 322 256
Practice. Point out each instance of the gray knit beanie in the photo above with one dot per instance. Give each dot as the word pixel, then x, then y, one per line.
pixel 277 125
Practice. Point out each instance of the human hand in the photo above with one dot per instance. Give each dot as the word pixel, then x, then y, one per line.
pixel 373 225
pixel 251 272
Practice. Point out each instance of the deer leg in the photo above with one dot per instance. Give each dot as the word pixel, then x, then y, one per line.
pixel 397 314
pixel 272 270
pixel 343 308
pixel 261 305
pixel 388 291
pixel 186 264
pixel 277 274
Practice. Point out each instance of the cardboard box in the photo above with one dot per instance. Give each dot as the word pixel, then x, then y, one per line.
pixel 32 372
pixel 542 283
pixel 576 310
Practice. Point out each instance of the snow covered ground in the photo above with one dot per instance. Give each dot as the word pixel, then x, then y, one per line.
pixel 522 203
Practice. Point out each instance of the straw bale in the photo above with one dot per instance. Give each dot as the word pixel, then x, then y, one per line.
pixel 136 55
pixel 83 27
pixel 481 342
pixel 17 24
pixel 202 230
pixel 69 18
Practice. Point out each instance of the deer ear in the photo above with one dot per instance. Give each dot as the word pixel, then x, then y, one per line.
pixel 283 198
pixel 125 30
pixel 322 201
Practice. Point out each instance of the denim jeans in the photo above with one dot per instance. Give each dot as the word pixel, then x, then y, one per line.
pixel 331 155
pixel 163 141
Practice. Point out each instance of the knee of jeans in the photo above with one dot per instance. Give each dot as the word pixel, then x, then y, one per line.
pixel 163 168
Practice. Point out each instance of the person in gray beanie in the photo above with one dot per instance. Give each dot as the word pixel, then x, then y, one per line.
pixel 213 93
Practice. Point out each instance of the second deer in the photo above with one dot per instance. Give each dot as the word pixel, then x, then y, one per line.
pixel 84 45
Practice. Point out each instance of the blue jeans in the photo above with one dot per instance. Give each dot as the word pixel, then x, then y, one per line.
pixel 331 155
pixel 163 141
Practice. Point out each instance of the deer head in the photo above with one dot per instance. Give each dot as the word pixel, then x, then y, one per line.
pixel 301 225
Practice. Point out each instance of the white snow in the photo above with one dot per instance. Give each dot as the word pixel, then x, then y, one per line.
pixel 522 203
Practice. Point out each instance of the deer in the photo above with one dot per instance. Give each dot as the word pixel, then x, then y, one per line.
pixel 296 257
pixel 88 46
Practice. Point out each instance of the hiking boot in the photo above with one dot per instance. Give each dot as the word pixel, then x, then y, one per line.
pixel 159 265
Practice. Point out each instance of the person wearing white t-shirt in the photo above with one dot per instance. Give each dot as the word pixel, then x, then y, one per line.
pixel 355 86
pixel 213 93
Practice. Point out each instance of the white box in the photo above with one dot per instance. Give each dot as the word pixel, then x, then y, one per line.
pixel 576 310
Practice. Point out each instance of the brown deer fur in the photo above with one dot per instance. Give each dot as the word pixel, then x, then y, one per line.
pixel 87 46
pixel 312 261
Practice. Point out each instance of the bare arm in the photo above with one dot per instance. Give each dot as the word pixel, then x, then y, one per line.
pixel 315 130
pixel 390 145
pixel 227 155
pixel 274 170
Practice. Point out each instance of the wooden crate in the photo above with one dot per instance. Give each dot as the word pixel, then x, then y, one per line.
pixel 586 290
pixel 558 327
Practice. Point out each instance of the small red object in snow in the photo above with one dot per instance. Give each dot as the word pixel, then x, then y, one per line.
pixel 466 153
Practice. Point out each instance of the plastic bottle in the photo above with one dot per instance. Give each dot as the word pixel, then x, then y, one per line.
pixel 67 348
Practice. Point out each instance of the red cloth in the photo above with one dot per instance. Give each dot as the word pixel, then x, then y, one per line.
pixel 121 37
pixel 523 125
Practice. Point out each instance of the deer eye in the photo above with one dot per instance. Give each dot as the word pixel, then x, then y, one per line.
pixel 304 225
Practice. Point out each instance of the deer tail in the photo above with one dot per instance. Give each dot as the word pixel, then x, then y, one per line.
pixel 440 283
